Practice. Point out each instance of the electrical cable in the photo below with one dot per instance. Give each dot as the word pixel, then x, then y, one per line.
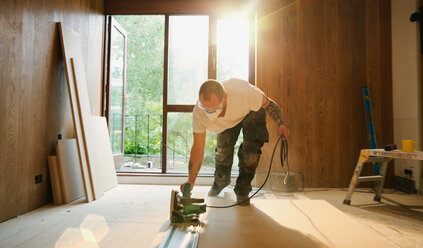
pixel 284 158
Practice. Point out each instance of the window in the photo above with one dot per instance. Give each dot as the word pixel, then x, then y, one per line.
pixel 168 57
pixel 188 57
pixel 232 48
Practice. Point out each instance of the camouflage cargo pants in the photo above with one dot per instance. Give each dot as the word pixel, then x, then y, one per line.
pixel 255 135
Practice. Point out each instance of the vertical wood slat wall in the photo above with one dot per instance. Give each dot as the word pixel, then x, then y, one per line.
pixel 313 57
pixel 34 102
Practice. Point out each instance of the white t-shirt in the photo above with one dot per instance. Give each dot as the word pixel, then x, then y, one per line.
pixel 242 97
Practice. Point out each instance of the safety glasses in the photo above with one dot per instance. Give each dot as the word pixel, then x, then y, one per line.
pixel 208 109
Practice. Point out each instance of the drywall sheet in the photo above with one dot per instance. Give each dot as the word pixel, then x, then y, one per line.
pixel 284 223
pixel 71 47
pixel 101 153
pixel 69 170
pixel 54 180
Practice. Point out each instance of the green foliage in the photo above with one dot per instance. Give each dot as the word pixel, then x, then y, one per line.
pixel 144 82
pixel 143 134
pixel 144 65
pixel 144 92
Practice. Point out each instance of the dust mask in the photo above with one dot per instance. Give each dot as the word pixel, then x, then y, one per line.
pixel 214 114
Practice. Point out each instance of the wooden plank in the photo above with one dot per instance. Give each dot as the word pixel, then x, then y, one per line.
pixel 71 47
pixel 55 181
pixel 69 170
pixel 284 223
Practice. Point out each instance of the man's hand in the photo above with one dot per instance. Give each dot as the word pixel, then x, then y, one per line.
pixel 182 186
pixel 275 113
pixel 283 130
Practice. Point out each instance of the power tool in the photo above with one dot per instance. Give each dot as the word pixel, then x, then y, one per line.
pixel 184 209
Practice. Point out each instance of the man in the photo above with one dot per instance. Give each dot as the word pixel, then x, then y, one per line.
pixel 226 108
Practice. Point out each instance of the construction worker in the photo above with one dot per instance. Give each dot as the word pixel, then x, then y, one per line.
pixel 226 108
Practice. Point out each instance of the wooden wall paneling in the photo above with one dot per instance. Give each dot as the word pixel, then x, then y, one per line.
pixel 31 92
pixel 9 107
pixel 335 59
pixel 95 48
pixel 25 115
pixel 38 105
pixel 268 7
pixel 262 56
pixel 386 104
pixel 357 129
pixel 313 58
pixel 350 100
pixel 378 72
pixel 34 101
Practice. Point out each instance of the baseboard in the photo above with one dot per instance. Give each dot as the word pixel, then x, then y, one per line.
pixel 165 180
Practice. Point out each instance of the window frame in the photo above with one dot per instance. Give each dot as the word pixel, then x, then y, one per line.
pixel 172 108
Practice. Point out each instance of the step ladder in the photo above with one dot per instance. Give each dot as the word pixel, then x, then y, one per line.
pixel 370 125
pixel 378 179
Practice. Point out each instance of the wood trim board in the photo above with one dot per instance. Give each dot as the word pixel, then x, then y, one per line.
pixel 54 180
pixel 284 223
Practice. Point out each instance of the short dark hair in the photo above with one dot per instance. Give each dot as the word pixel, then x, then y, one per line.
pixel 210 87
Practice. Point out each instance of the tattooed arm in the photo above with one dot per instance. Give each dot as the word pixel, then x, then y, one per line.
pixel 196 157
pixel 274 111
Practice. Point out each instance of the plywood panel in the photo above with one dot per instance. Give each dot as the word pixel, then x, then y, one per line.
pixel 69 170
pixel 284 223
pixel 313 57
pixel 101 150
pixel 33 92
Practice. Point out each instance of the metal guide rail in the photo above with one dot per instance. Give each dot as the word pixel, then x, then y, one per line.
pixel 182 235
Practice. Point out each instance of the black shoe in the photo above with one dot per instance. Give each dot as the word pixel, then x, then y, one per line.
pixel 215 190
pixel 243 200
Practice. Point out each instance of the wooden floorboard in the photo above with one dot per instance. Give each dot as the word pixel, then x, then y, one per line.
pixel 285 223
pixel 138 216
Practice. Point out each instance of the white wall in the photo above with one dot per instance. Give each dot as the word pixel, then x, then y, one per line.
pixel 406 76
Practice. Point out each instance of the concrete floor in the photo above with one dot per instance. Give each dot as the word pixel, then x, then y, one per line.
pixel 137 216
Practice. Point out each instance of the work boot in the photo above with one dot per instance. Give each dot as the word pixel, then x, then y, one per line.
pixel 215 190
pixel 242 200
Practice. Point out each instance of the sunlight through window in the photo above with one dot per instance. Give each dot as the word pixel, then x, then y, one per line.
pixel 232 48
